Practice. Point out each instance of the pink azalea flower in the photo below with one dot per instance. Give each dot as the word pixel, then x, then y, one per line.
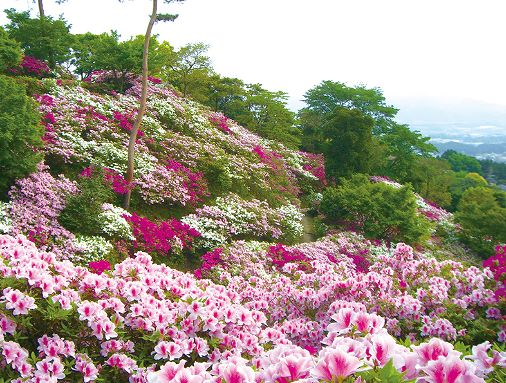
pixel 450 370
pixel 433 350
pixel 335 363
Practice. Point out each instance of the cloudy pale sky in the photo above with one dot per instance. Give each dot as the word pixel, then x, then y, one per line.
pixel 448 51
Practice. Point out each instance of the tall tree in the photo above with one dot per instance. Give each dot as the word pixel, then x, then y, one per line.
pixel 155 16
pixel 10 52
pixel 190 66
pixel 347 142
pixel 20 132
pixel 43 38
pixel 400 145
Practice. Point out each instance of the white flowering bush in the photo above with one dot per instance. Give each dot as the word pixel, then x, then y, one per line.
pixel 234 218
pixel 5 218
pixel 113 222
pixel 91 248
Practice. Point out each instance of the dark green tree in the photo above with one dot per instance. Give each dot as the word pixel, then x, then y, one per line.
pixel 225 94
pixel 265 113
pixel 462 162
pixel 347 142
pixel 20 133
pixel 190 68
pixel 481 213
pixel 106 52
pixel 43 38
pixel 10 52
pixel 400 145
pixel 462 182
pixel 432 178
pixel 379 210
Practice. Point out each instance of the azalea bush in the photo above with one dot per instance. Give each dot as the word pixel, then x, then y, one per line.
pixel 142 322
pixel 232 217
pixel 36 202
pixel 165 238
pixel 300 287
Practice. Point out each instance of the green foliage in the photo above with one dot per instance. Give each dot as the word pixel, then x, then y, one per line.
pixel 265 113
pixel 379 210
pixel 324 97
pixel 20 133
pixel 43 38
pixel 386 374
pixel 189 69
pixel 461 162
pixel 396 147
pixel 81 213
pixel 106 52
pixel 463 182
pixel 482 214
pixel 403 148
pixel 495 171
pixel 10 52
pixel 347 142
pixel 432 178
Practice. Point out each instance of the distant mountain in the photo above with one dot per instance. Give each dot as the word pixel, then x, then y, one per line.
pixel 496 152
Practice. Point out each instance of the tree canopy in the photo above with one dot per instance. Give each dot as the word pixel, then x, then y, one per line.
pixel 43 38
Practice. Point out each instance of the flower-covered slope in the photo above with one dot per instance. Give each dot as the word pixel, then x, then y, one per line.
pixel 147 323
pixel 182 149
pixel 228 182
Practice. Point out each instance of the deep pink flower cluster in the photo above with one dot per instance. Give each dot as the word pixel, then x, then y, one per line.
pixel 89 114
pixel 154 80
pixel 111 177
pixel 162 236
pixel 210 260
pixel 126 121
pixel 270 158
pixel 280 255
pixel 117 181
pixel 497 264
pixel 194 182
pixel 99 267
pixel 30 66
pixel 220 121
pixel 316 166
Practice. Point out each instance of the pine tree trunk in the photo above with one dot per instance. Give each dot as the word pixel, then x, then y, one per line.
pixel 41 9
pixel 142 105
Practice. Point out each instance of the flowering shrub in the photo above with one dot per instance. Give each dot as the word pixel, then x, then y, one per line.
pixel 497 264
pixel 231 217
pixel 30 66
pixel 164 237
pixel 5 218
pixel 36 203
pixel 419 295
pixel 113 222
pixel 100 266
pixel 143 322
pixel 220 121
pixel 182 144
pixel 93 248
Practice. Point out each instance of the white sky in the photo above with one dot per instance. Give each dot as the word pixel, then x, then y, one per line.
pixel 433 49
